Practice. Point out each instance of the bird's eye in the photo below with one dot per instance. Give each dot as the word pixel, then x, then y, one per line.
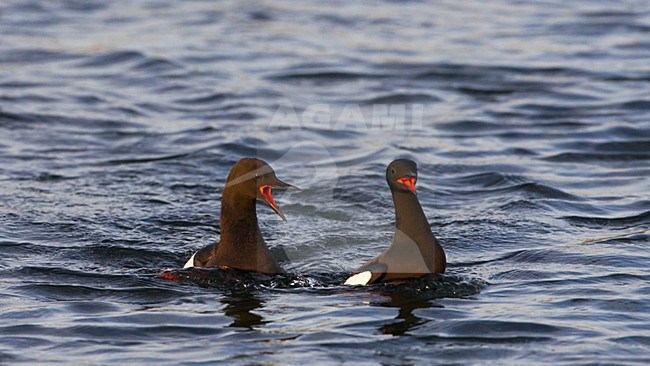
pixel 392 171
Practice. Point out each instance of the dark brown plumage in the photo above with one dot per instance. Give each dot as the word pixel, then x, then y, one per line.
pixel 241 245
pixel 415 251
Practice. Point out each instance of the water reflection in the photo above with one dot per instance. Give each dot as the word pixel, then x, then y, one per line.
pixel 405 319
pixel 241 306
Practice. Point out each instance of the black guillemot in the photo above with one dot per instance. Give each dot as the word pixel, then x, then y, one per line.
pixel 414 252
pixel 241 245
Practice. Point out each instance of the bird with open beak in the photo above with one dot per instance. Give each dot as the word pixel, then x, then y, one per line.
pixel 241 245
pixel 414 251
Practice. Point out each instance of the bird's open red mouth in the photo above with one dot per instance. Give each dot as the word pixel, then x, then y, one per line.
pixel 265 191
pixel 409 182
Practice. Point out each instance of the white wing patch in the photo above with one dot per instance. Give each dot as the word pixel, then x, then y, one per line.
pixel 190 262
pixel 359 279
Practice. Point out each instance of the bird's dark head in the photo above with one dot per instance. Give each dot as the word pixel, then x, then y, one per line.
pixel 401 175
pixel 254 179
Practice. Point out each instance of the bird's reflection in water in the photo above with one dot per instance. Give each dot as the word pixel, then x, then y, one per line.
pixel 405 319
pixel 241 306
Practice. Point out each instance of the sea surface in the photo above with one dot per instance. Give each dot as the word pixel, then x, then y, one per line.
pixel 530 123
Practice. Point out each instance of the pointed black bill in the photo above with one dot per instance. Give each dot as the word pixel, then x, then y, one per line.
pixel 276 183
pixel 267 197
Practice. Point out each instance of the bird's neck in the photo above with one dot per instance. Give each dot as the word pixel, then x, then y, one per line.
pixel 409 217
pixel 239 227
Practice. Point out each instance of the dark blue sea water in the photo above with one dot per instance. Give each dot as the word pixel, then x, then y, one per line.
pixel 530 122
